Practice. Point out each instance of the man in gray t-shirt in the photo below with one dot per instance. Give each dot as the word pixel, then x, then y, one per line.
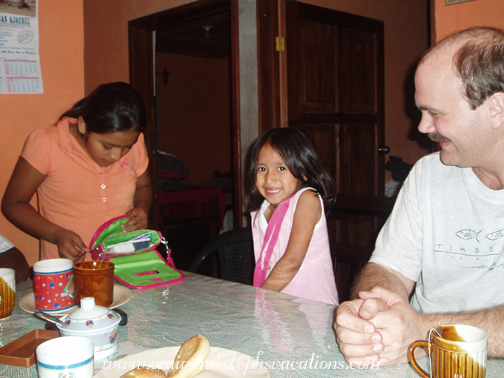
pixel 442 246
pixel 455 257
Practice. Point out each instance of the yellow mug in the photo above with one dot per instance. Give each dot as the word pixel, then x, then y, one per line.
pixel 455 351
pixel 7 292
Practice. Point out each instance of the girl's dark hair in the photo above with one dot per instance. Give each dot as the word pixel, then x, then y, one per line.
pixel 300 158
pixel 109 108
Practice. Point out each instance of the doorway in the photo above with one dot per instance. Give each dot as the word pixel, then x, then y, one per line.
pixel 193 105
pixel 182 60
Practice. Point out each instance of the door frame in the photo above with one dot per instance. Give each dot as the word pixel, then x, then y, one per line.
pixel 271 113
pixel 141 64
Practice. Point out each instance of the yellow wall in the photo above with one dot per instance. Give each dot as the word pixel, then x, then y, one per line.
pixel 106 35
pixel 405 39
pixel 105 52
pixel 61 46
pixel 451 18
pixel 194 108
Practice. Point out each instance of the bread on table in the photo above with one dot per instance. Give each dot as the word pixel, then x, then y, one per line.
pixel 144 372
pixel 191 357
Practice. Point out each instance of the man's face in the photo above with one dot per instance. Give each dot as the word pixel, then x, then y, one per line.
pixel 446 115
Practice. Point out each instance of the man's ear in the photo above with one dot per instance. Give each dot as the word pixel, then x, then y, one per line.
pixel 81 125
pixel 496 109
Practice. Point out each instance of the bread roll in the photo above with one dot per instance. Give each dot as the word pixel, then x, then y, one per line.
pixel 144 372
pixel 191 357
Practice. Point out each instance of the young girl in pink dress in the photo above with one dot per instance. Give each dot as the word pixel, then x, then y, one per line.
pixel 287 188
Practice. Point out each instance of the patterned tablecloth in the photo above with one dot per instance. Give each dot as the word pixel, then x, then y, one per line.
pixel 292 337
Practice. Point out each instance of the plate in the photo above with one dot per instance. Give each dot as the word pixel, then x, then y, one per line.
pixel 221 363
pixel 121 295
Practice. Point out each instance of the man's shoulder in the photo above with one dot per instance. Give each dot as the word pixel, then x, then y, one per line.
pixel 430 159
pixel 429 173
pixel 432 163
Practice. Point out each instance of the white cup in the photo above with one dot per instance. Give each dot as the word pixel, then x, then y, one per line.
pixel 53 285
pixel 71 356
pixel 7 292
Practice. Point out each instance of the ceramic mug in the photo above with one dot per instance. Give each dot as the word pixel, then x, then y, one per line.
pixel 455 350
pixel 7 292
pixel 53 285
pixel 71 356
pixel 94 279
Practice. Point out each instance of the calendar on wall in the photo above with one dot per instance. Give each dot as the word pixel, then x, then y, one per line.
pixel 19 48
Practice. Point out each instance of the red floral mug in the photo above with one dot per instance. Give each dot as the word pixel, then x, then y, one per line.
pixel 53 285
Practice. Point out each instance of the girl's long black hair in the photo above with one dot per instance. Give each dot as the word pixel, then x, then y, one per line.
pixel 110 108
pixel 300 158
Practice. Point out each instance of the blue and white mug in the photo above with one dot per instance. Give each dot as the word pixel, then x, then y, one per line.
pixel 71 357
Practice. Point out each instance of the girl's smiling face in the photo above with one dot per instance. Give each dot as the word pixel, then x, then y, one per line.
pixel 273 179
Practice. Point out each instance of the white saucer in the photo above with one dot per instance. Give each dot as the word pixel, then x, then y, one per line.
pixel 220 363
pixel 121 295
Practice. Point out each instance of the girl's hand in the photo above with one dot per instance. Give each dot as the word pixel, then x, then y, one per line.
pixel 137 220
pixel 71 246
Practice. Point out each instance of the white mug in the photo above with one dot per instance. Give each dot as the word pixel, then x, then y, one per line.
pixel 71 356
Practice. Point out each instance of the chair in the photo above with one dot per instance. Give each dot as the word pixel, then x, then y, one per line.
pixel 235 254
pixel 349 258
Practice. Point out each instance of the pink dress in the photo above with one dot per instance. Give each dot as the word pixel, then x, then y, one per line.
pixel 315 279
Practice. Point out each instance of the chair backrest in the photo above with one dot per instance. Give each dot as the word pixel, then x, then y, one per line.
pixel 235 255
pixel 349 258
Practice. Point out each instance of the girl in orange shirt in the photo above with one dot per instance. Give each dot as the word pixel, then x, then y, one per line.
pixel 89 168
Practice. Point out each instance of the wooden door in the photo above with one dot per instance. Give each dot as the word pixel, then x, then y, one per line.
pixel 335 94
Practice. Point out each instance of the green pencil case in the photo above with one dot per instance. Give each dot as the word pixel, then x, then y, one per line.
pixel 137 262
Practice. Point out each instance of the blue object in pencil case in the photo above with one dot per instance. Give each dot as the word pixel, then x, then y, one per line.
pixel 141 245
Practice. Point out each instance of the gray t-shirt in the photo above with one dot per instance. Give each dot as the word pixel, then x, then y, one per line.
pixel 446 233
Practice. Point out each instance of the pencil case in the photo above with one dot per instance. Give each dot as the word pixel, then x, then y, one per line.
pixel 137 262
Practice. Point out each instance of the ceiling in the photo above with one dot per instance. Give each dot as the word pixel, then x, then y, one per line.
pixel 208 37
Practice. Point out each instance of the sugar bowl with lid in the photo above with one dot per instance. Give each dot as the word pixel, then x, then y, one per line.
pixel 97 323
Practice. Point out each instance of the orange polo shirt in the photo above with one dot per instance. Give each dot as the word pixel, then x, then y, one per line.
pixel 77 193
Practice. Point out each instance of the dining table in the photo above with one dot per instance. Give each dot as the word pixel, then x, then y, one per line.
pixel 283 335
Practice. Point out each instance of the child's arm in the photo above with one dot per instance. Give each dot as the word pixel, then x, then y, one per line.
pixel 142 202
pixel 16 207
pixel 307 214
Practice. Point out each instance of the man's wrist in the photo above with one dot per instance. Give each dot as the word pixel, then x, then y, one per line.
pixel 426 322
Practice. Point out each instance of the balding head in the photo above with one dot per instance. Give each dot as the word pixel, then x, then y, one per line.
pixel 478 61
